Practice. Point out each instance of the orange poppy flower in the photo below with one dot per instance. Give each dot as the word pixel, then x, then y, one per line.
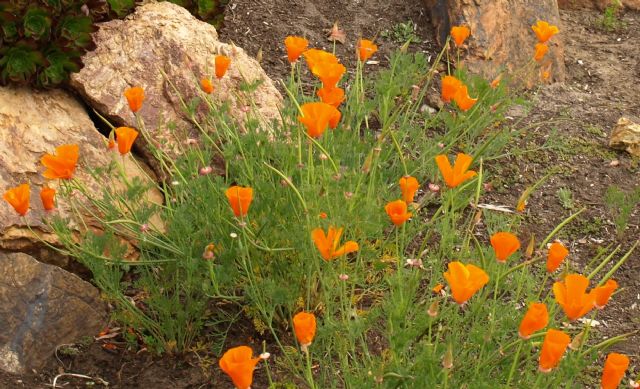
pixel 329 73
pixel 125 137
pixel 304 325
pixel 295 46
pixel 409 186
pixel 571 294
pixel 544 31
pixel 222 64
pixel 614 368
pixel 331 96
pixel 397 211
pixel 240 199
pixel 438 288
pixel 557 253
pixel 603 293
pixel 135 97
pixel 463 100
pixel 536 318
pixel 238 363
pixel 317 116
pixel 450 86
pixel 541 51
pixel 322 215
pixel 206 86
pixel 460 34
pixel 504 245
pixel 62 164
pixel 366 49
pixel 327 244
pixel 316 56
pixel 456 175
pixel 553 347
pixel 496 81
pixel 464 280
pixel 47 196
pixel 18 198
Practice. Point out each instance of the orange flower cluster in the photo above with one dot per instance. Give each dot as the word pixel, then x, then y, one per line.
pixel 571 294
pixel 454 89
pixel 544 31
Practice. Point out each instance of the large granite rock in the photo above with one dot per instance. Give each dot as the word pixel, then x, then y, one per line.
pixel 597 4
pixel 501 35
pixel 165 38
pixel 31 124
pixel 41 307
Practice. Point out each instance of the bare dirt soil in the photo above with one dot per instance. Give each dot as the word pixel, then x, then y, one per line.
pixel 568 124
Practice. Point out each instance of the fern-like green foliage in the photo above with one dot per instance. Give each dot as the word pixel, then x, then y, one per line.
pixel 42 41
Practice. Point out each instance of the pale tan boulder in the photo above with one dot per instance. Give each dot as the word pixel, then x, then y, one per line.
pixel 33 123
pixel 626 136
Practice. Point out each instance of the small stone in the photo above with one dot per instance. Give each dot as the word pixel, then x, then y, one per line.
pixel 626 136
pixel 615 162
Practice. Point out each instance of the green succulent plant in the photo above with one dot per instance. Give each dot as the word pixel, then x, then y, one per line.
pixel 42 41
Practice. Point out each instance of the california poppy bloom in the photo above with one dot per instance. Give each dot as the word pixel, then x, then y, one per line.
pixel 317 116
pixel 238 363
pixel 331 96
pixel 536 318
pixel 409 186
pixel 295 46
pixel 111 144
pixel 18 198
pixel 544 31
pixel 456 175
pixel 603 293
pixel 504 245
pixel 240 199
pixel 47 197
pixel 553 347
pixel 464 280
pixel 125 137
pixel 613 371
pixel 222 63
pixel 541 51
pixel 496 81
pixel 397 211
pixel 571 294
pixel 438 288
pixel 135 97
pixel 327 244
pixel 329 73
pixel 460 34
pixel 366 49
pixel 557 253
pixel 450 86
pixel 463 100
pixel 62 164
pixel 206 86
pixel 304 325
pixel 316 56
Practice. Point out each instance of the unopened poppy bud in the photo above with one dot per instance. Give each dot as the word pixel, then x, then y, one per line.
pixel 209 251
pixel 434 188
pixel 447 360
pixel 348 195
pixel 433 309
pixel 144 228
pixel 343 277
pixel 205 170
pixel 323 157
